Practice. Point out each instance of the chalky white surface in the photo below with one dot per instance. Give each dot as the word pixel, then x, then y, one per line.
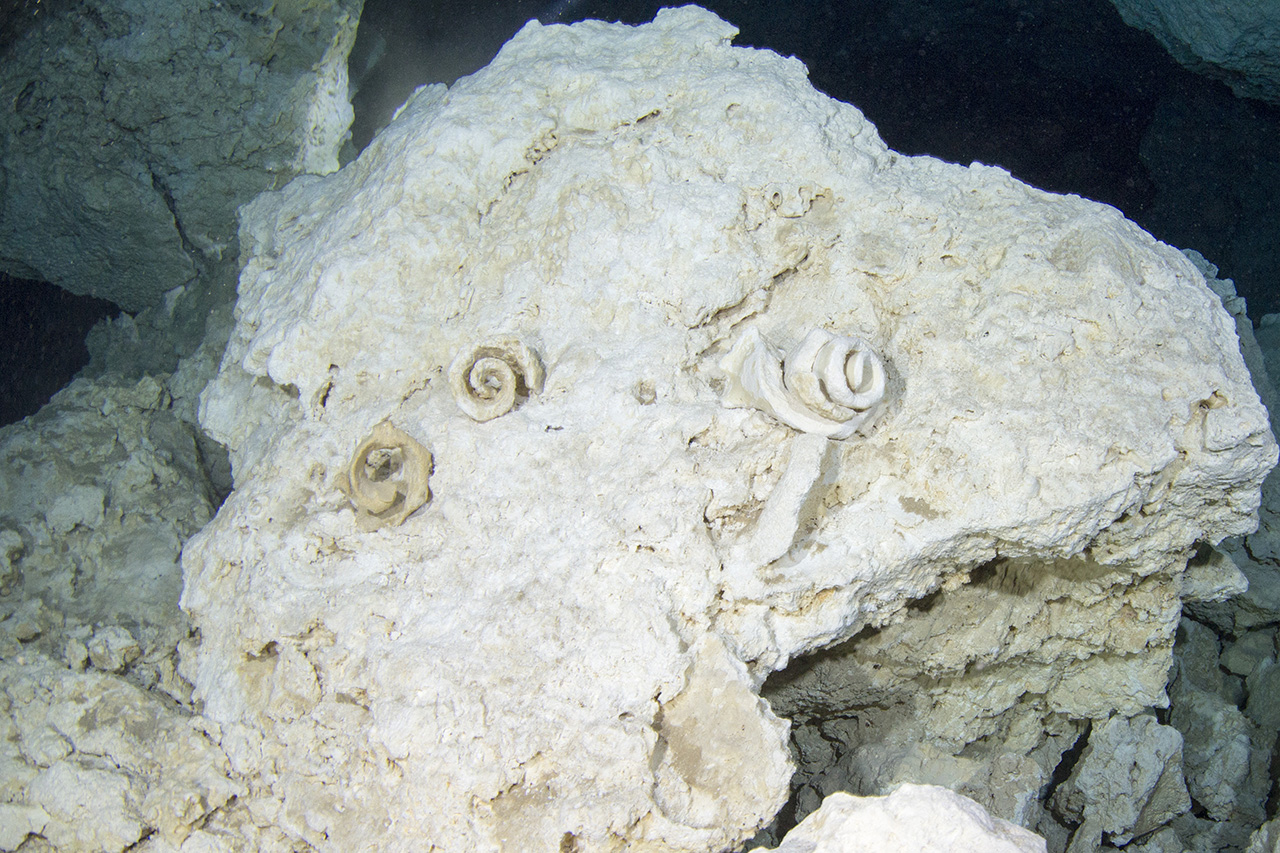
pixel 913 819
pixel 563 646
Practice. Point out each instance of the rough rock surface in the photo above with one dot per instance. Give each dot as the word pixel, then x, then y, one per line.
pixel 1266 839
pixel 1236 41
pixel 98 492
pixel 563 645
pixel 90 761
pixel 912 819
pixel 865 712
pixel 1127 783
pixel 1223 695
pixel 131 131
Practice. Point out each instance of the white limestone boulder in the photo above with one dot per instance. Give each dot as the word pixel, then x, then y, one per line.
pixel 547 626
pixel 912 819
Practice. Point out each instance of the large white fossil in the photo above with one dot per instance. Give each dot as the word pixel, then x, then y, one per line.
pixel 828 384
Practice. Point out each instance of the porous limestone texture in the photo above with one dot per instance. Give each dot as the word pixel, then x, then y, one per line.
pixel 1235 41
pixel 1128 782
pixel 562 648
pixel 912 819
pixel 99 749
pixel 131 130
pixel 882 708
pixel 98 492
pixel 1223 691
pixel 92 762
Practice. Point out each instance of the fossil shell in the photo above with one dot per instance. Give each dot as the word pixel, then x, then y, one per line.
pixel 490 379
pixel 828 384
pixel 387 477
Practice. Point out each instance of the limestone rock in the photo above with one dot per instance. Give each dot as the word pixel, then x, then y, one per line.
pixel 564 646
pixel 1236 41
pixel 1266 839
pixel 91 763
pixel 913 819
pixel 1199 834
pixel 1249 651
pixel 98 492
pixel 1198 661
pixel 1212 577
pixel 976 670
pixel 1263 705
pixel 132 130
pixel 1128 781
pixel 113 648
pixel 1002 781
pixel 1225 774
pixel 1164 841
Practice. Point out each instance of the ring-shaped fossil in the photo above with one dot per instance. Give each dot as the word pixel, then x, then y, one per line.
pixel 387 477
pixel 828 384
pixel 490 379
pixel 836 375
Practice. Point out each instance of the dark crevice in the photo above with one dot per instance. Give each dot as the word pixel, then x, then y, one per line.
pixel 161 186
pixel 802 665
pixel 1067 763
pixel 43 329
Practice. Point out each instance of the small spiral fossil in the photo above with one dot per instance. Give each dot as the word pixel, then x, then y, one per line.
pixel 828 384
pixel 490 379
pixel 387 477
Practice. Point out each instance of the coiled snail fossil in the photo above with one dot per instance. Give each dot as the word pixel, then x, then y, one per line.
pixel 488 380
pixel 828 384
pixel 387 477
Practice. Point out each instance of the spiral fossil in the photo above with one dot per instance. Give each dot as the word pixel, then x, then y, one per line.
pixel 828 384
pixel 387 477
pixel 490 379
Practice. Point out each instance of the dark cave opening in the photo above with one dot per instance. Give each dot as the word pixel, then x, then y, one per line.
pixel 43 328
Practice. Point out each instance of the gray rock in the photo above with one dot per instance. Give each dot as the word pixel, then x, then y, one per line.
pixel 1128 781
pixel 130 132
pixel 1235 41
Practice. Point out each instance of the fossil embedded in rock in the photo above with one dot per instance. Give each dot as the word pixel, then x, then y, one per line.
pixel 828 384
pixel 490 379
pixel 387 478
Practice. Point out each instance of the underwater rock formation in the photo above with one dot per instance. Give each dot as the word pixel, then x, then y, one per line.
pixel 98 745
pixel 564 649
pixel 1235 41
pixel 130 132
pixel 912 819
